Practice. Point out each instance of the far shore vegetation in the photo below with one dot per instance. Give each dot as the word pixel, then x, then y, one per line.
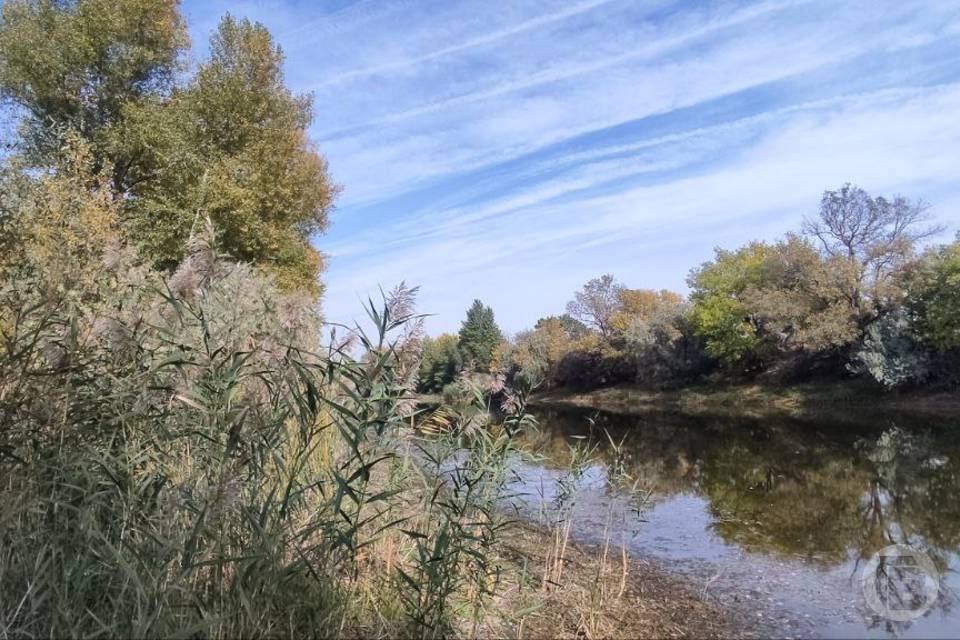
pixel 858 298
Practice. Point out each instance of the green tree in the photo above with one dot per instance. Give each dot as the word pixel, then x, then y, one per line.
pixel 935 296
pixel 479 337
pixel 440 362
pixel 230 143
pixel 248 164
pixel 77 66
pixel 720 315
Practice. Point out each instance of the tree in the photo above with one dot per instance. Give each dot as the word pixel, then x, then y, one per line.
pixel 537 353
pixel 935 296
pixel 230 143
pixel 64 228
pixel 570 325
pixel 77 66
pixel 248 163
pixel 440 362
pixel 640 304
pixel 479 337
pixel 877 236
pixel 661 343
pixel 596 303
pixel 719 313
pixel 801 298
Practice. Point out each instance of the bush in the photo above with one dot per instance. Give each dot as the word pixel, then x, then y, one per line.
pixel 663 347
pixel 587 370
pixel 891 352
pixel 440 362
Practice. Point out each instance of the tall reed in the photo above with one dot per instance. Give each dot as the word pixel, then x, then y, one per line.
pixel 180 457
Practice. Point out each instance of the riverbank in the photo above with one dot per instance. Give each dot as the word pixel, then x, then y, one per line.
pixel 845 401
pixel 602 592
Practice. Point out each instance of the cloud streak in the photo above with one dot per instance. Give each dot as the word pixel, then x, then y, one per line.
pixel 512 151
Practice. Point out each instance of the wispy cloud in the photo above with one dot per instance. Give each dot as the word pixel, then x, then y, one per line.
pixel 465 136
pixel 510 151
pixel 481 40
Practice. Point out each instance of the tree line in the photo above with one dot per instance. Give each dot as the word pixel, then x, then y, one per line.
pixel 852 293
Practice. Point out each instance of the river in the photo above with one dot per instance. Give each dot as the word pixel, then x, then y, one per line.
pixel 775 520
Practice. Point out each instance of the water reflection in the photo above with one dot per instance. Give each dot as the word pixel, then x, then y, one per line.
pixel 826 497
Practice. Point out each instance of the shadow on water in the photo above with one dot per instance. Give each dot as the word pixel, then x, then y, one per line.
pixel 775 518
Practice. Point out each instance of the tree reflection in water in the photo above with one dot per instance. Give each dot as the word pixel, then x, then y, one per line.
pixel 829 494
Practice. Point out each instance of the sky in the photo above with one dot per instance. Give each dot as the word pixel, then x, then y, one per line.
pixel 511 151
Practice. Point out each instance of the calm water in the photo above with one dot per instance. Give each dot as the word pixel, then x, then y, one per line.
pixel 776 520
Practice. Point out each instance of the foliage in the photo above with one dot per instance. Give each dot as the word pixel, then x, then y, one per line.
pixel 233 145
pixel 479 337
pixel 586 369
pixel 229 143
pixel 537 353
pixel 440 362
pixel 596 303
pixel 573 327
pixel 57 224
pixel 720 314
pixel 802 301
pixel 662 345
pixel 76 66
pixel 935 296
pixel 150 420
pixel 799 306
pixel 179 453
pixel 790 297
pixel 876 236
pixel 891 352
pixel 640 305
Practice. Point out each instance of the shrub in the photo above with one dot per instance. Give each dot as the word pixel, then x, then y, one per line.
pixel 663 348
pixel 586 370
pixel 891 352
pixel 440 362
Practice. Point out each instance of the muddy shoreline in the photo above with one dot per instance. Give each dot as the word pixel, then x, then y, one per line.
pixel 605 592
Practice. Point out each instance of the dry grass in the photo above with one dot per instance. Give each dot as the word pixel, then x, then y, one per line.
pixel 603 593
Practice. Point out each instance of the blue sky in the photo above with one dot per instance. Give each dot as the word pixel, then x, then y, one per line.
pixel 510 151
